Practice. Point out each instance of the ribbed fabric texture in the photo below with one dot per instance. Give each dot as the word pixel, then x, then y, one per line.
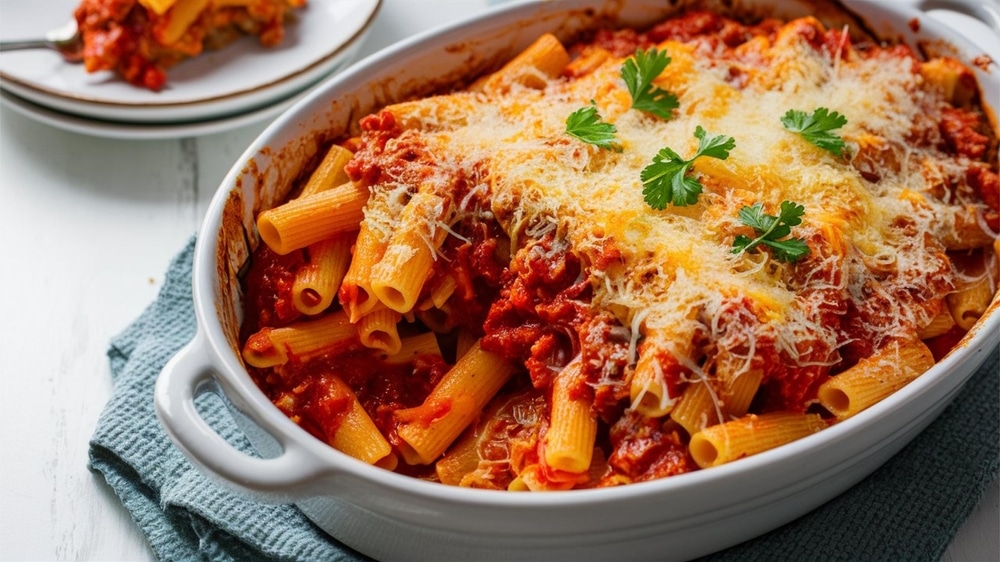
pixel 184 515
pixel 907 510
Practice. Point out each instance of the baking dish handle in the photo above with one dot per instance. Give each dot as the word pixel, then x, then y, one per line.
pixel 982 10
pixel 188 374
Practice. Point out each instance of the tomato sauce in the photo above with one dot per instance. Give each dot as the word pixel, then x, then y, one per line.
pixel 986 184
pixel 124 36
pixel 645 449
pixel 543 304
pixel 117 36
pixel 268 290
pixel 961 129
pixel 532 305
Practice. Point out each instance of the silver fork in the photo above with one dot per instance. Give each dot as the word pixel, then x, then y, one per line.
pixel 65 40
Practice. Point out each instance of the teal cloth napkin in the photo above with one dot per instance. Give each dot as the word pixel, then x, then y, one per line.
pixel 907 510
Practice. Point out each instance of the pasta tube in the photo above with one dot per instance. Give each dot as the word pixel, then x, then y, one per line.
pixel 400 275
pixel 750 435
pixel 355 290
pixel 357 434
pixel 377 330
pixel 455 402
pixel 274 346
pixel 569 442
pixel 874 378
pixel 307 220
pixel 542 60
pixel 330 172
pixel 655 384
pixel 316 283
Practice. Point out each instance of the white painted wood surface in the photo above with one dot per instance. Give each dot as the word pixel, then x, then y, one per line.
pixel 88 227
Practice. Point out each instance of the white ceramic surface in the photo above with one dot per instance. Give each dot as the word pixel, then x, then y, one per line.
pixel 239 78
pixel 141 131
pixel 392 517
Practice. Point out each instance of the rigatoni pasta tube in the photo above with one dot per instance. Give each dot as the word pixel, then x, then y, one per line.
pixel 400 275
pixel 441 292
pixel 972 294
pixel 954 78
pixel 750 435
pixel 441 320
pixel 317 282
pixel 455 402
pixel 939 325
pixel 411 347
pixel 875 377
pixel 378 330
pixel 742 389
pixel 654 389
pixel 330 172
pixel 966 232
pixel 569 442
pixel 587 62
pixel 446 112
pixel 649 392
pixel 461 459
pixel 464 455
pixel 355 290
pixel 703 406
pixel 544 59
pixel 307 220
pixel 698 407
pixel 357 434
pixel 274 346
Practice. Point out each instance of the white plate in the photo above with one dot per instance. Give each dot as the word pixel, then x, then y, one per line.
pixel 239 78
pixel 140 131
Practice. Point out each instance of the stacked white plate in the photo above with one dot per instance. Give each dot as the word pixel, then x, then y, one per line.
pixel 240 84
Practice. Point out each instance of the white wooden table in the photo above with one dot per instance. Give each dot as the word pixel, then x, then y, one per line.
pixel 88 226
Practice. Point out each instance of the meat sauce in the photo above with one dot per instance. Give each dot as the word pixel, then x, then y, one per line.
pixel 532 305
pixel 125 37
pixel 116 34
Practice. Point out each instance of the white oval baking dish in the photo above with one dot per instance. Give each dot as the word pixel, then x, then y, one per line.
pixel 390 516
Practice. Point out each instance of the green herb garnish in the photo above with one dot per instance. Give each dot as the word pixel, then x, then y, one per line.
pixel 770 231
pixel 666 180
pixel 816 127
pixel 638 72
pixel 586 124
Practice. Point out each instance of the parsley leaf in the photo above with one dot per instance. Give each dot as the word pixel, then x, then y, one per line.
pixel 771 229
pixel 816 127
pixel 638 72
pixel 586 124
pixel 666 181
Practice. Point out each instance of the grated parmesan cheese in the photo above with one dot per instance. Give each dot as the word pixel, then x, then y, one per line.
pixel 677 262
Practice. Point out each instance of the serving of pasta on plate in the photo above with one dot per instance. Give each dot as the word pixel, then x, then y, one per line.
pixel 141 39
pixel 642 253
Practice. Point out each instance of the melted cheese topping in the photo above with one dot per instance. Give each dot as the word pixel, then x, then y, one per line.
pixel 869 237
